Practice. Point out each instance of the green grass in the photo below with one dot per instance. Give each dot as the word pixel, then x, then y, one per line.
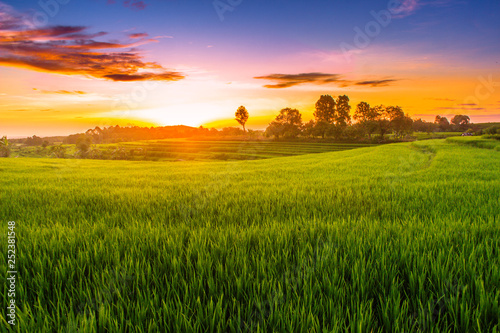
pixel 436 135
pixel 485 142
pixel 174 150
pixel 393 238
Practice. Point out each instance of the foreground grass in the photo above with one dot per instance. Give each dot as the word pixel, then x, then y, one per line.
pixel 401 237
pixel 485 142
pixel 178 149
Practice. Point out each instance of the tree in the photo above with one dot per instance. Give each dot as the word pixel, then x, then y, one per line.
pixel 4 147
pixel 241 116
pixel 420 125
pixel 324 114
pixel 308 128
pixel 322 128
pixel 83 145
pixel 275 129
pixel 366 116
pixel 58 151
pixel 383 120
pixel 400 123
pixel 33 141
pixel 461 122
pixel 325 109
pixel 442 123
pixel 288 123
pixel 343 114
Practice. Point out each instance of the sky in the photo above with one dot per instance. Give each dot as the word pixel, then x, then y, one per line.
pixel 70 65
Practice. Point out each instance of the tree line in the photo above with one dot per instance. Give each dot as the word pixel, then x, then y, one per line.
pixel 332 118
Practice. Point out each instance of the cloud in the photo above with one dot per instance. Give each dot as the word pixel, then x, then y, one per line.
pixel 405 8
pixel 133 4
pixel 457 108
pixel 138 35
pixel 290 80
pixel 375 83
pixel 442 99
pixel 62 92
pixel 72 50
pixel 408 7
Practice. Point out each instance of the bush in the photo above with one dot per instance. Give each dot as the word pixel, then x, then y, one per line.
pixel 492 130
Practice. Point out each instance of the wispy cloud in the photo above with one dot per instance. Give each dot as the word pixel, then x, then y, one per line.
pixel 458 108
pixel 409 7
pixel 290 80
pixel 406 8
pixel 62 92
pixel 442 99
pixel 133 4
pixel 375 83
pixel 72 50
pixel 138 35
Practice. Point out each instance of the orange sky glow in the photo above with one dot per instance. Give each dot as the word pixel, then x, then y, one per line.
pixel 59 80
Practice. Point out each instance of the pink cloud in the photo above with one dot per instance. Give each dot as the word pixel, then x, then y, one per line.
pixel 72 50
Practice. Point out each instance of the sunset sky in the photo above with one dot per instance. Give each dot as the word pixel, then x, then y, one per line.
pixel 70 65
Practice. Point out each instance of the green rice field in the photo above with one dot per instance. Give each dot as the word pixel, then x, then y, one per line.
pixel 393 238
pixel 191 150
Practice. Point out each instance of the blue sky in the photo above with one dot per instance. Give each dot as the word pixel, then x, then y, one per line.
pixel 445 43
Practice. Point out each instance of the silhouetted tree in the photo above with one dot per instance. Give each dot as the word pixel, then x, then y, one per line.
pixel 288 123
pixel 308 128
pixel 241 116
pixel 383 121
pixel 324 114
pixel 343 114
pixel 366 117
pixel 33 141
pixel 443 123
pixel 325 109
pixel 461 122
pixel 322 128
pixel 420 125
pixel 400 123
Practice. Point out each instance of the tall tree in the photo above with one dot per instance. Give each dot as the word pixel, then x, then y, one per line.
pixel 241 116
pixel 383 120
pixel 343 114
pixel 400 123
pixel 325 109
pixel 324 114
pixel 366 116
